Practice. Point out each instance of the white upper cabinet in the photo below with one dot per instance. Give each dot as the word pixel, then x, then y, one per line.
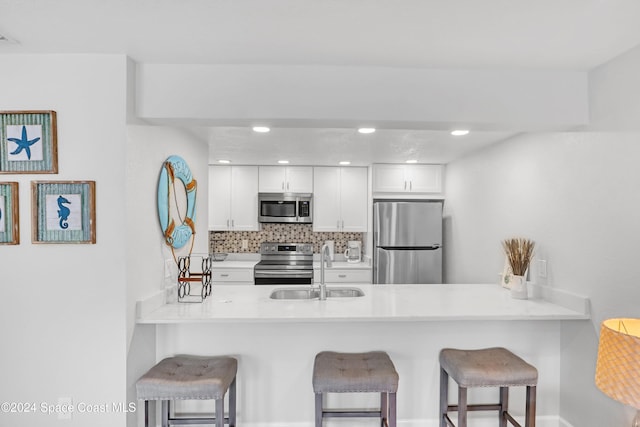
pixel 233 198
pixel 286 179
pixel 340 199
pixel 393 178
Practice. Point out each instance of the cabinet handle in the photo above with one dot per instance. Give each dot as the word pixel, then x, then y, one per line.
pixel 283 185
pixel 338 224
pixel 224 275
pixel 343 224
pixel 287 185
pixel 405 185
pixel 227 223
pixel 233 223
pixel 342 276
pixel 410 185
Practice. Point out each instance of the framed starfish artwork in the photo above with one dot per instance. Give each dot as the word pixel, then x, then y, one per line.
pixel 9 224
pixel 28 142
pixel 63 212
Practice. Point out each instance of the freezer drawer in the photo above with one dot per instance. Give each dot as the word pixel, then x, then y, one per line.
pixel 408 266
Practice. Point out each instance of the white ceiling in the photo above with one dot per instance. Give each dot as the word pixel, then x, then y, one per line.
pixel 487 34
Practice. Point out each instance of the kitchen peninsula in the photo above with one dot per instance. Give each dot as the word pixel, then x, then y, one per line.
pixel 275 341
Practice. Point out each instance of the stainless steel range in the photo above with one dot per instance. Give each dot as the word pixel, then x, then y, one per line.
pixel 284 264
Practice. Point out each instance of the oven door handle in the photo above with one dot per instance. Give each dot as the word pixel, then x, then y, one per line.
pixel 283 273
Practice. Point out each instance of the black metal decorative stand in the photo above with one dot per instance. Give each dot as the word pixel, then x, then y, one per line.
pixel 190 281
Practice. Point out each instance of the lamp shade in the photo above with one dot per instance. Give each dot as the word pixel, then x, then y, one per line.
pixel 618 365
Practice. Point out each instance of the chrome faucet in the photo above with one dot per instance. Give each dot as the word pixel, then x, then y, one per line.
pixel 324 257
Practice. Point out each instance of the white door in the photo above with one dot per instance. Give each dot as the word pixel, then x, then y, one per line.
pixel 424 178
pixel 389 178
pixel 219 198
pixel 326 199
pixel 271 179
pixel 244 198
pixel 353 195
pixel 299 179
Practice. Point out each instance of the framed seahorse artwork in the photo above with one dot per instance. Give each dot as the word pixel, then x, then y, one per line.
pixel 28 142
pixel 63 212
pixel 9 219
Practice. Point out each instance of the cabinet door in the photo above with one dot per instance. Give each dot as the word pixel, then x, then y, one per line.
pixel 271 179
pixel 353 197
pixel 389 178
pixel 424 178
pixel 244 198
pixel 326 199
pixel 299 179
pixel 219 197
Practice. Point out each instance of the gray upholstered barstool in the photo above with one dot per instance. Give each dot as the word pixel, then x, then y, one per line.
pixel 188 377
pixel 371 372
pixel 490 367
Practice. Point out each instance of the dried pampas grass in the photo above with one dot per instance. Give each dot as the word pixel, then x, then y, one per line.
pixel 519 253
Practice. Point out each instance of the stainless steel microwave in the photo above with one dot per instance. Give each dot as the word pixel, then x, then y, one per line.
pixel 285 207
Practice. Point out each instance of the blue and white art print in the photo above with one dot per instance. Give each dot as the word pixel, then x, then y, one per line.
pixel 28 142
pixel 24 143
pixel 2 215
pixel 64 212
pixel 9 224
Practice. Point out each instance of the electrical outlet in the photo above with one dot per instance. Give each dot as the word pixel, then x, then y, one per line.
pixel 245 244
pixel 542 268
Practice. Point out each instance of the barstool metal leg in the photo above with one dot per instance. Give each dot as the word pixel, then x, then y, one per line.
pixel 504 406
pixel 392 410
pixel 220 412
pixel 146 413
pixel 232 403
pixel 318 409
pixel 444 397
pixel 530 413
pixel 384 409
pixel 462 406
pixel 165 413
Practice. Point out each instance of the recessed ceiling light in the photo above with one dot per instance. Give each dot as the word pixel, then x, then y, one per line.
pixel 366 130
pixel 411 161
pixel 224 161
pixel 345 162
pixel 459 132
pixel 261 129
pixel 283 162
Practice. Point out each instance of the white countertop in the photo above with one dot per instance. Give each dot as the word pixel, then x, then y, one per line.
pixel 386 303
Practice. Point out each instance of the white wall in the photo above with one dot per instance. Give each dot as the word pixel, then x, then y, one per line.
pixel 147 149
pixel 576 195
pixel 62 309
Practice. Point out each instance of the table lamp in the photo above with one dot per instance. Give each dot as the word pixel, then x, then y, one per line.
pixel 618 365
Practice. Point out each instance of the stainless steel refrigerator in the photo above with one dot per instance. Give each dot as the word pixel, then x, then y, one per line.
pixel 407 242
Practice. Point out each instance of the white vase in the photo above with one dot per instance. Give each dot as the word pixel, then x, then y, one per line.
pixel 519 287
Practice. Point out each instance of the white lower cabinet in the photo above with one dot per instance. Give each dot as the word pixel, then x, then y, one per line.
pixel 346 275
pixel 232 276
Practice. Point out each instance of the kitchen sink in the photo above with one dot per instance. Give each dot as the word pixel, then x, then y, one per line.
pixel 313 293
